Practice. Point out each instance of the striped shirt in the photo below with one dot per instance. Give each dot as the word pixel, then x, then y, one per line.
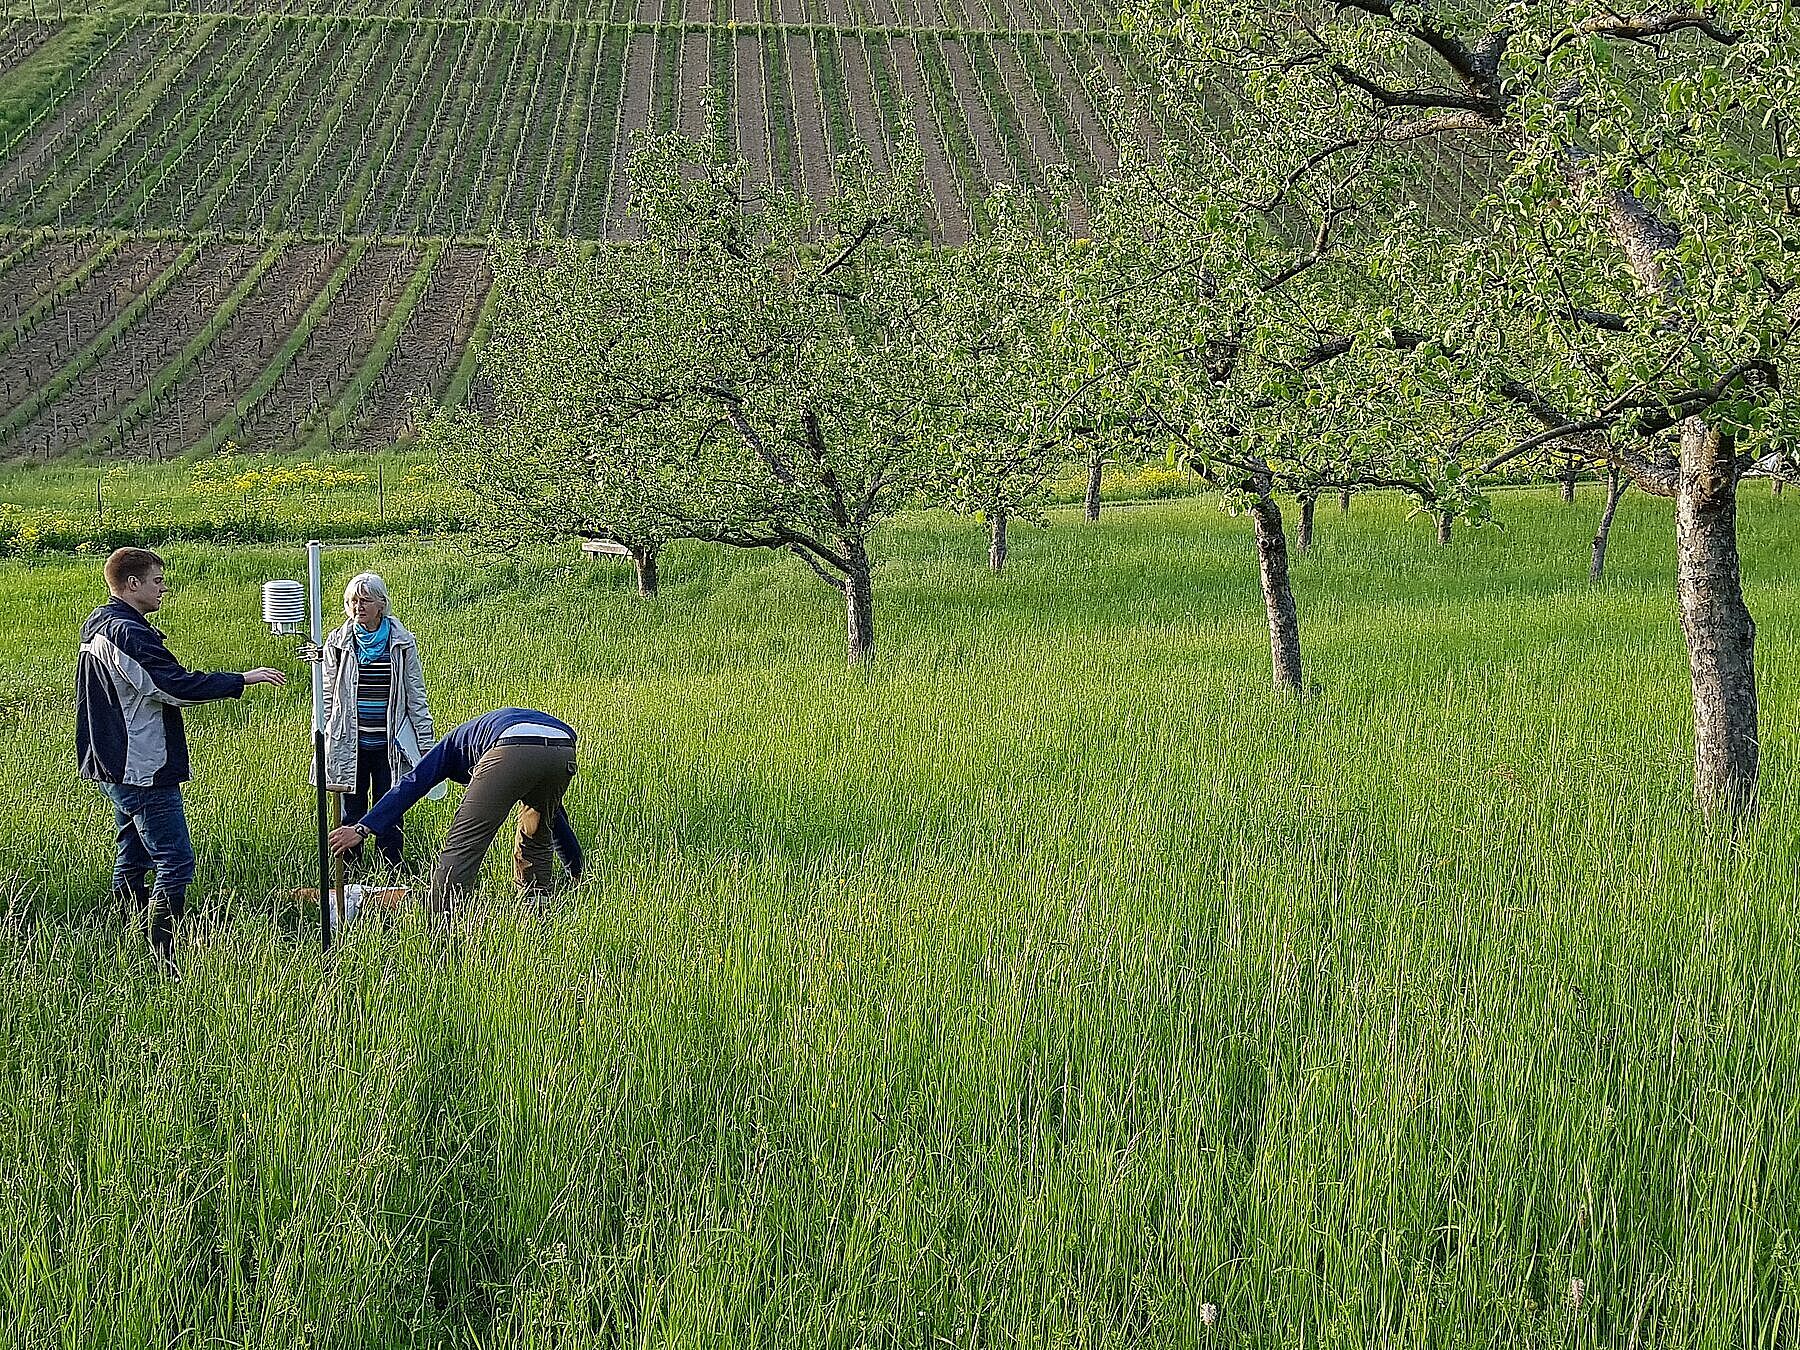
pixel 374 679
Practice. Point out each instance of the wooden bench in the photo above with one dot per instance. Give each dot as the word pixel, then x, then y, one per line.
pixel 604 548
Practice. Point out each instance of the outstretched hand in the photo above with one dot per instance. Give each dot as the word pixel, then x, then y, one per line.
pixel 344 838
pixel 264 675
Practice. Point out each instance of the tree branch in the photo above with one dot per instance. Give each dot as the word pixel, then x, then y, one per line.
pixel 1404 339
pixel 836 583
pixel 1549 434
pixel 772 536
pixel 1418 98
pixel 1647 26
pixel 815 444
pixel 1541 408
pixel 1477 69
pixel 1442 123
pixel 1321 245
pixel 1270 203
pixel 849 250
pixel 794 539
pixel 1661 414
pixel 1598 318
pixel 734 409
pixel 1105 372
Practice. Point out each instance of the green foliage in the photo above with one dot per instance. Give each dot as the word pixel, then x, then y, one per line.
pixel 1263 362
pixel 543 460
pixel 1011 423
pixel 756 378
pixel 1582 213
pixel 1691 141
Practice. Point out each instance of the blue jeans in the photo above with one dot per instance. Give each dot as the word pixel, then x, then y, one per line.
pixel 153 836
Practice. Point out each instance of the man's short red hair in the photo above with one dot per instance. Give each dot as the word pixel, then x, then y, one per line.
pixel 127 564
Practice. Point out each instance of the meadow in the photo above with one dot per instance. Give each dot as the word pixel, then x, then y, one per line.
pixel 1052 982
pixel 86 508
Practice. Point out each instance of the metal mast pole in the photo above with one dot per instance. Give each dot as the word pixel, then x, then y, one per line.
pixel 318 721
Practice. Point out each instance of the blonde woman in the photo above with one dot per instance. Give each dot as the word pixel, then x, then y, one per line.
pixel 377 722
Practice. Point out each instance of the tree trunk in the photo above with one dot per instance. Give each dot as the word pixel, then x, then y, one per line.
pixel 1443 526
pixel 1095 465
pixel 644 559
pixel 1278 593
pixel 1616 483
pixel 996 540
pixel 1344 502
pixel 1568 481
pixel 859 598
pixel 1721 636
pixel 1303 541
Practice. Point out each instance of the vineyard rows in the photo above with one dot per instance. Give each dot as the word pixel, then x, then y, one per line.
pixel 19 38
pixel 265 230
pixel 341 127
pixel 156 347
pixel 1073 15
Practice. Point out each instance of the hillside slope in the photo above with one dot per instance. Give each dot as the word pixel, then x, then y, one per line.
pixel 287 142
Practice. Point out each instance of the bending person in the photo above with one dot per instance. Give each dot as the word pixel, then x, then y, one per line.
pixel 514 756
pixel 131 741
pixel 377 722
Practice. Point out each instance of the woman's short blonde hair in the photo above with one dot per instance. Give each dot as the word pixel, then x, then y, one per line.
pixel 364 583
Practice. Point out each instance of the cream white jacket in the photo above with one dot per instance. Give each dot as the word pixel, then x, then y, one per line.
pixel 409 729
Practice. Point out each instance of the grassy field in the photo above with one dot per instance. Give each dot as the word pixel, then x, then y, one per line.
pixel 228 497
pixel 1040 987
pixel 90 508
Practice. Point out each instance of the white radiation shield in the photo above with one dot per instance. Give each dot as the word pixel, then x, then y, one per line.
pixel 284 608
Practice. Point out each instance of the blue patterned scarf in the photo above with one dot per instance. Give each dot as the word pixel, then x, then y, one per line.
pixel 371 646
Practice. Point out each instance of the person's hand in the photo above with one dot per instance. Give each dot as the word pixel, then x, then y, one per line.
pixel 344 838
pixel 264 675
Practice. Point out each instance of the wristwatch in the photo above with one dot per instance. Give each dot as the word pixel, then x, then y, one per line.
pixel 364 830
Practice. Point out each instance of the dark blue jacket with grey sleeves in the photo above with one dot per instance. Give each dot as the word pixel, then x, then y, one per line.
pixel 453 759
pixel 129 693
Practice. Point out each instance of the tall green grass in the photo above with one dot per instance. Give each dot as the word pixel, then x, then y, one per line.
pixel 1045 984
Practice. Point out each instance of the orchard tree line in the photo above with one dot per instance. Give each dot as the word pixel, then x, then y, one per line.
pixel 1406 245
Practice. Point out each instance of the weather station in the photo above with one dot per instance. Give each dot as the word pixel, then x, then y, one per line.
pixel 291 612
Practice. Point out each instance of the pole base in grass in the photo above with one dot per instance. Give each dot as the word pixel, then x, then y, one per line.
pixel 387 900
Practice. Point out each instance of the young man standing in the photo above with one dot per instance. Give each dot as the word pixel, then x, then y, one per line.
pixel 129 693
pixel 512 756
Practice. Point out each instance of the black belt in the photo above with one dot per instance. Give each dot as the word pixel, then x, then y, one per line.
pixel 534 740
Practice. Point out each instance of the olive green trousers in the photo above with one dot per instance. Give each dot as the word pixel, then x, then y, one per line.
pixel 531 777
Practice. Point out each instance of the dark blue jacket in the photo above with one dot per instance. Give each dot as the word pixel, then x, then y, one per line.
pixel 454 758
pixel 129 693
